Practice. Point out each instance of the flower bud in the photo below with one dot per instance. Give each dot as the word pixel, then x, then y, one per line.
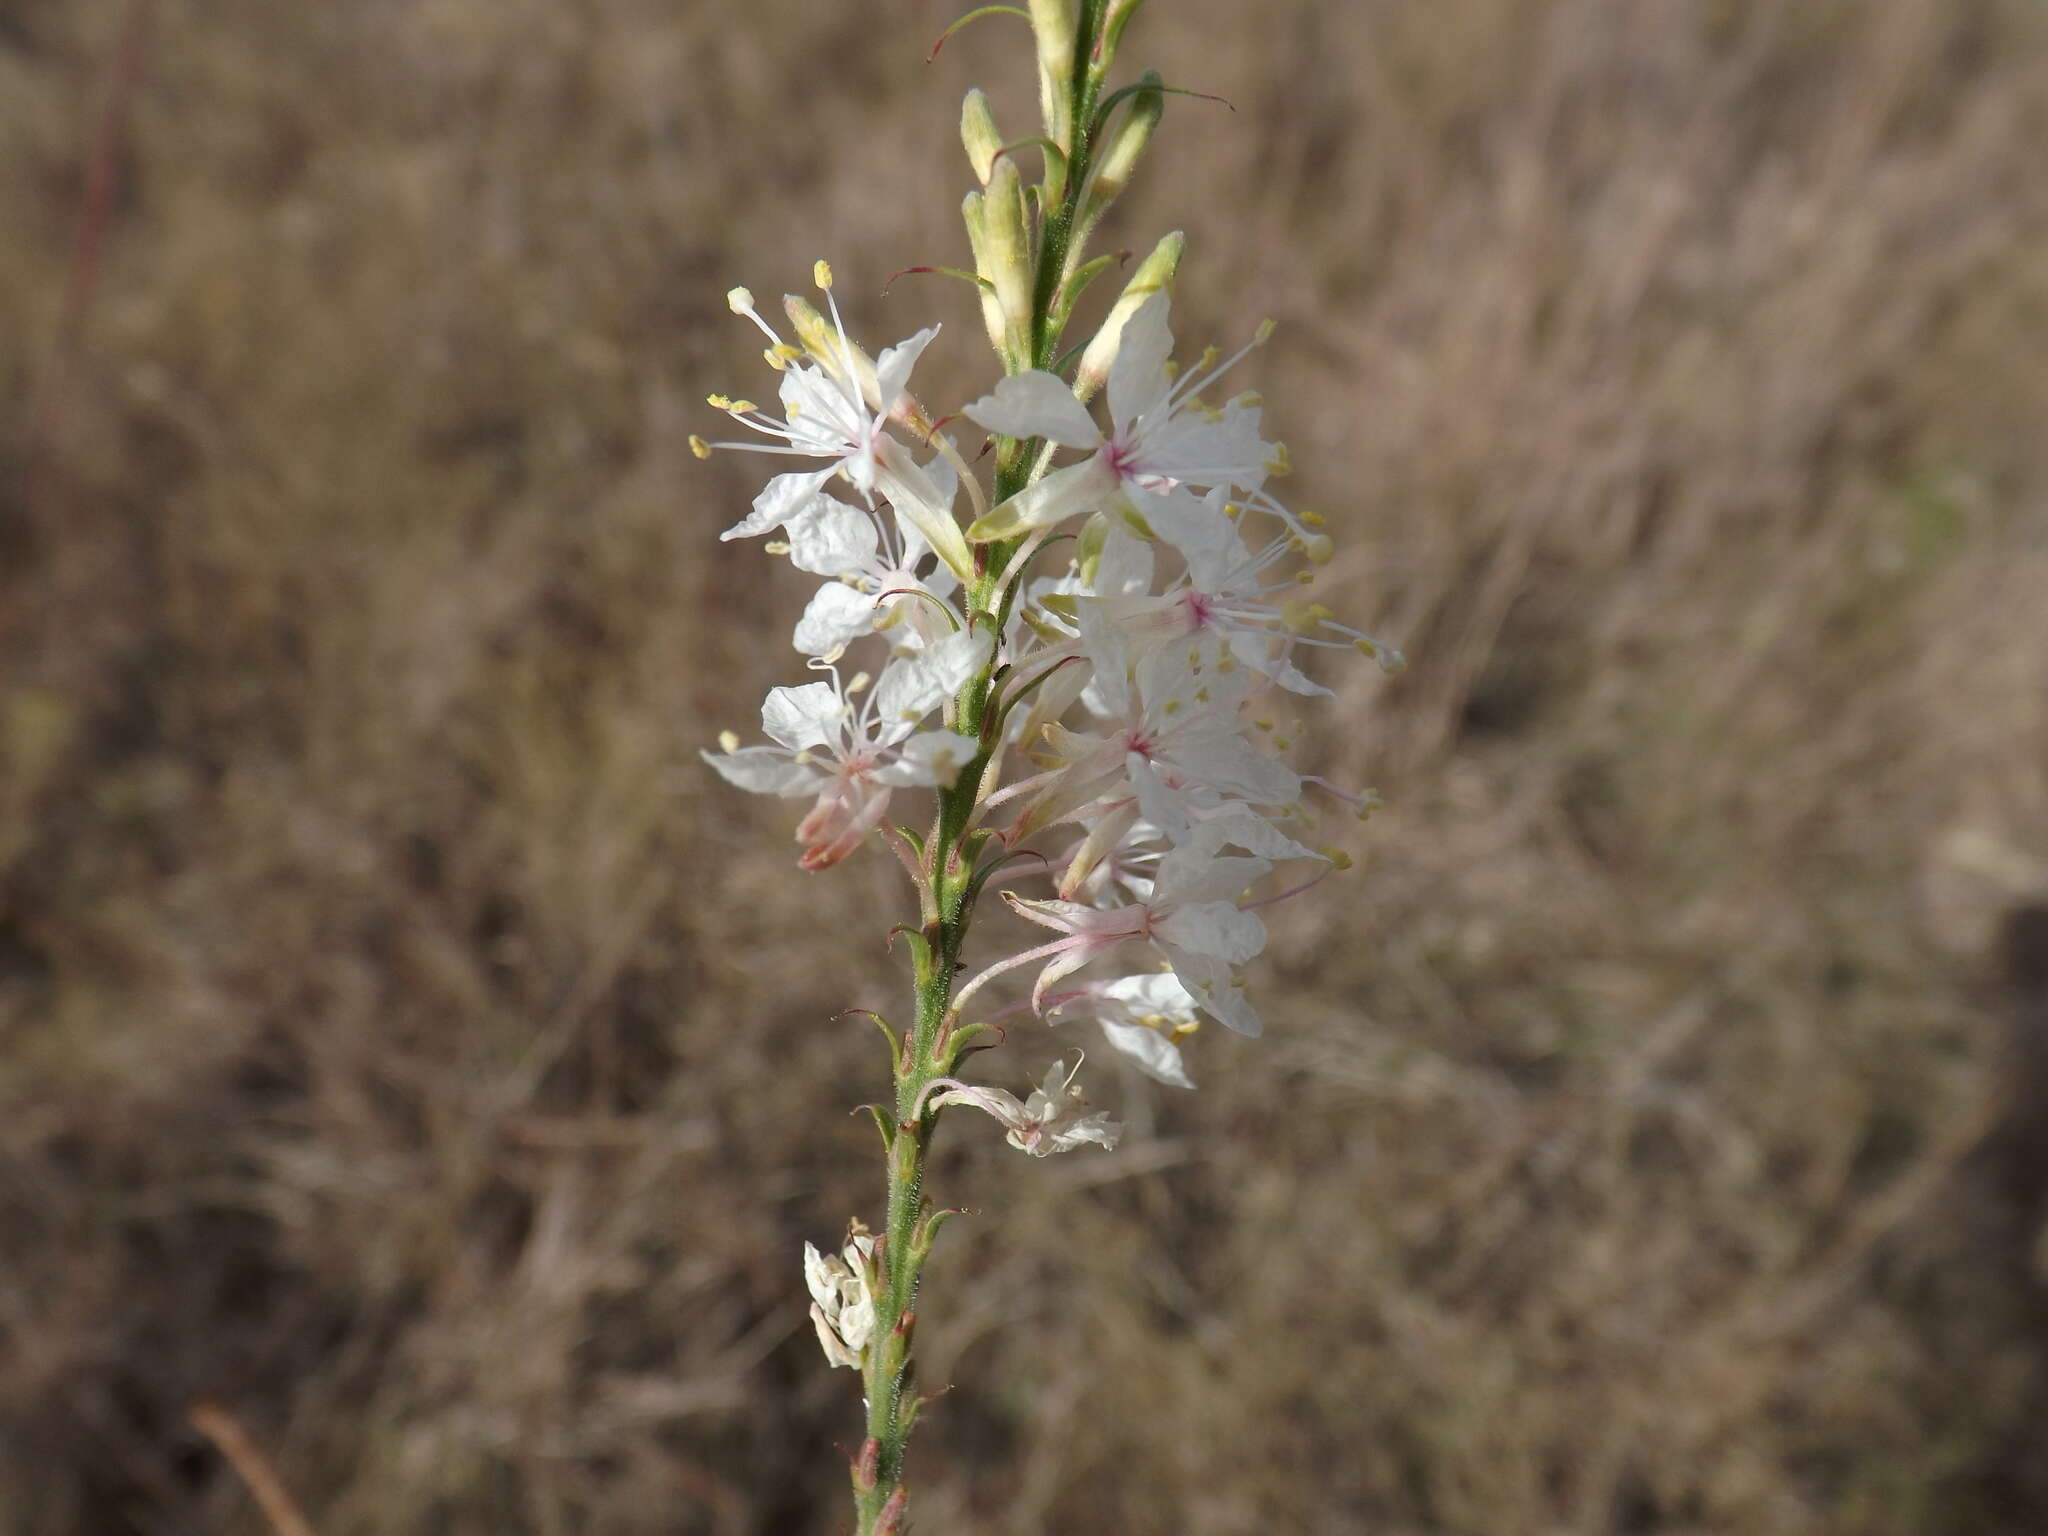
pixel 978 132
pixel 1008 233
pixel 1053 21
pixel 1154 273
pixel 1114 21
pixel 974 214
pixel 1126 144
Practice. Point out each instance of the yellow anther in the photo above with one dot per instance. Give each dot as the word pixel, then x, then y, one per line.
pixel 1251 400
pixel 1280 463
pixel 776 547
pixel 821 274
pixel 1313 519
pixel 1210 357
pixel 1282 743
pixel 1232 508
pixel 699 447
pixel 1264 725
pixel 739 301
pixel 1226 663
pixel 1298 616
pixel 1201 695
pixel 1172 707
pixel 1304 578
pixel 773 356
pixel 1339 859
pixel 1264 333
pixel 1319 613
pixel 719 402
pixel 728 741
pixel 802 755
pixel 860 681
pixel 1172 371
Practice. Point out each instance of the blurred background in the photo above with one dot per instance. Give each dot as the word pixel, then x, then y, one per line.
pixel 408 1049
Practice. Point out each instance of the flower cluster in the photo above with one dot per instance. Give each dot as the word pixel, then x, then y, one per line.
pixel 1067 684
pixel 1136 687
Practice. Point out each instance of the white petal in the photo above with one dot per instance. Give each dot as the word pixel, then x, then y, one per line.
pixel 1165 807
pixel 1222 759
pixel 1099 1129
pixel 837 616
pixel 912 686
pixel 763 771
pixel 1192 872
pixel 933 758
pixel 1239 826
pixel 1221 998
pixel 834 540
pixel 1107 646
pixel 1191 447
pixel 1036 405
pixel 1125 566
pixel 1151 992
pixel 783 498
pixel 926 504
pixel 1137 379
pixel 1150 1051
pixel 1218 929
pixel 836 1352
pixel 1216 556
pixel 1081 487
pixel 818 1277
pixel 892 368
pixel 810 716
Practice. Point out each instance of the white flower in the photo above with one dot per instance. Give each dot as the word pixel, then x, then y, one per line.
pixel 1144 1017
pixel 1160 435
pixel 850 754
pixel 836 406
pixel 1049 1121
pixel 877 584
pixel 1178 743
pixel 842 1308
pixel 1191 918
pixel 1224 609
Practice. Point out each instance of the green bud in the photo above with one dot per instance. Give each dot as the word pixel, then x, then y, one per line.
pixel 1126 145
pixel 1114 21
pixel 978 132
pixel 1007 231
pixel 1054 22
pixel 974 214
pixel 1088 547
pixel 1154 273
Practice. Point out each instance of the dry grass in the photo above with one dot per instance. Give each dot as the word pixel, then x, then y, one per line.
pixel 410 1049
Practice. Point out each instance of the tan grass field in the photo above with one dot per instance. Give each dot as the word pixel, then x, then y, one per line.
pixel 409 1048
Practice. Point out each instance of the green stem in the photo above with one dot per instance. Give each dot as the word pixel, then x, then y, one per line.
pixel 930 1049
pixel 927 1053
